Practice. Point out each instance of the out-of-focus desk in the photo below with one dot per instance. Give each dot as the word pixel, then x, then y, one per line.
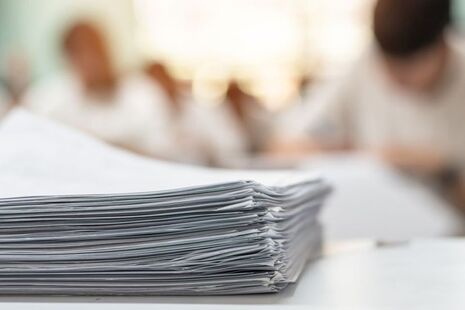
pixel 423 274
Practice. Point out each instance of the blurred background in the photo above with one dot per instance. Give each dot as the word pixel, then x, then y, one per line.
pixel 225 82
pixel 259 57
pixel 266 51
pixel 273 51
pixel 268 45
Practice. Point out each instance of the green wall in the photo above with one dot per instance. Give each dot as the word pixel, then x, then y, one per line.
pixel 35 27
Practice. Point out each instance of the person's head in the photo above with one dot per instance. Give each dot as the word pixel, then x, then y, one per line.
pixel 410 35
pixel 85 48
pixel 160 74
pixel 234 93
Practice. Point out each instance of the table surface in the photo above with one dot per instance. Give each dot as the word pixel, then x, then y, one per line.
pixel 422 274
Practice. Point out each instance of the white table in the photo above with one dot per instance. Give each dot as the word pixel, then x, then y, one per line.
pixel 373 201
pixel 424 274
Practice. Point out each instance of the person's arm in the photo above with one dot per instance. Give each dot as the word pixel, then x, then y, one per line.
pixel 457 195
pixel 447 176
pixel 323 125
pixel 451 183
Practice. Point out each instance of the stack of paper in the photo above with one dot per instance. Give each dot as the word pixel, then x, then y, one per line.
pixel 225 234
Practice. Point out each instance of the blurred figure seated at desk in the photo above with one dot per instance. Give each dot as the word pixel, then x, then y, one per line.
pixel 128 111
pixel 207 133
pixel 405 101
pixel 251 115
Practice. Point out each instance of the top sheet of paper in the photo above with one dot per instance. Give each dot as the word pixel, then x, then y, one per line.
pixel 40 157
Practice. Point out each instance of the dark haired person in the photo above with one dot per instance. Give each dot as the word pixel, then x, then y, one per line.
pixel 404 101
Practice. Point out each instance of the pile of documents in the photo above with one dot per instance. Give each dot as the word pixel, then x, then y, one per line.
pixel 199 231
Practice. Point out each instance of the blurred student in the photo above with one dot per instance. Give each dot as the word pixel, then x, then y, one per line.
pixel 126 111
pixel 208 134
pixel 405 101
pixel 252 116
pixel 163 79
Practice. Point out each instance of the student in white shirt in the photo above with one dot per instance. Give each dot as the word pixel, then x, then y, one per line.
pixel 128 111
pixel 405 101
pixel 207 134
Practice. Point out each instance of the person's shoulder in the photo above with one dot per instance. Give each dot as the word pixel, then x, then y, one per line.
pixel 140 85
pixel 349 82
pixel 46 89
pixel 138 80
pixel 364 66
pixel 55 80
pixel 134 78
pixel 142 95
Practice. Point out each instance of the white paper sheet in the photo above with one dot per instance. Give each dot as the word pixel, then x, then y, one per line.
pixel 41 157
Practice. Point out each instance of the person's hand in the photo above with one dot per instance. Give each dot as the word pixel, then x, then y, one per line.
pixel 414 160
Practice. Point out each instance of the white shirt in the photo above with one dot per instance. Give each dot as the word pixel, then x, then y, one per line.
pixel 370 111
pixel 136 117
pixel 140 118
pixel 211 133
